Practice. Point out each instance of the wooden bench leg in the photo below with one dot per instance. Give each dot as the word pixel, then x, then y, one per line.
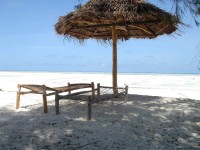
pixel 126 94
pixel 57 104
pixel 18 97
pixel 93 91
pixel 89 114
pixel 98 92
pixel 44 99
pixel 69 86
pixel 18 100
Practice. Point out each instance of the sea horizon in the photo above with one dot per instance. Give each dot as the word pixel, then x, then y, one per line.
pixel 96 72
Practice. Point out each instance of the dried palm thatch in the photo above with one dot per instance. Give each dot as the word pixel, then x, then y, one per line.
pixel 132 18
pixel 107 20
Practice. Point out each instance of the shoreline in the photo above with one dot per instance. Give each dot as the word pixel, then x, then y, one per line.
pixel 179 86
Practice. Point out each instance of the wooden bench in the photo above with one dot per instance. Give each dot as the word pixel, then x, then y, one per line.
pixel 91 99
pixel 48 91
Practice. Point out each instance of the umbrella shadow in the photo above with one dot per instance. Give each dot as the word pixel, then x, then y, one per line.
pixel 144 122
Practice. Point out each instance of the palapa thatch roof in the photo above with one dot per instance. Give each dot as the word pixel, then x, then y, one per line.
pixel 132 18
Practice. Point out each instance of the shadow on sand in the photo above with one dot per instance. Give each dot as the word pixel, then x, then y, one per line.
pixel 144 122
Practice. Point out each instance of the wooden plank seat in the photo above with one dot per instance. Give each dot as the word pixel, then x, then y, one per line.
pixel 48 91
pixel 72 87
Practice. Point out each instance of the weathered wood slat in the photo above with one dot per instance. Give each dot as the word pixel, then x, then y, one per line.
pixel 76 84
pixel 29 92
pixel 73 94
pixel 71 87
pixel 50 89
pixel 32 87
pixel 107 87
pixel 49 94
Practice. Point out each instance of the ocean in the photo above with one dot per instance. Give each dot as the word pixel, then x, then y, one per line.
pixel 168 85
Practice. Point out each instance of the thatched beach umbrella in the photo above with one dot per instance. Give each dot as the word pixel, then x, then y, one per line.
pixel 116 20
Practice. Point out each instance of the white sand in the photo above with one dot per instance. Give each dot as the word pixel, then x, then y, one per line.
pixel 162 112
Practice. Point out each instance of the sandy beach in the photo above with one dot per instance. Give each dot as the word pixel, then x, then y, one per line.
pixel 162 112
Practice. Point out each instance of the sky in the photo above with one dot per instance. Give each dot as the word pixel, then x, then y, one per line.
pixel 28 42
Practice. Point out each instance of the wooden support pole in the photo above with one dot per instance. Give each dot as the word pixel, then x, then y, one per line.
pixel 89 114
pixel 93 91
pixel 57 103
pixel 18 96
pixel 114 69
pixel 44 98
pixel 98 92
pixel 69 86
